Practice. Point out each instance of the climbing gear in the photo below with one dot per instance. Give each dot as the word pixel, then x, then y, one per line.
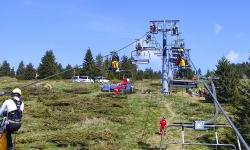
pixel 15 116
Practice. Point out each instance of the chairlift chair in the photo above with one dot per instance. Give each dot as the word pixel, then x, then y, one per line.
pixel 140 58
pixel 150 46
pixel 183 84
pixel 159 53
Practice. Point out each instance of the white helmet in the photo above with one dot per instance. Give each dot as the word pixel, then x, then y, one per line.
pixel 17 91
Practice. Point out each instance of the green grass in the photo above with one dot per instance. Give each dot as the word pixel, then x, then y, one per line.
pixel 63 115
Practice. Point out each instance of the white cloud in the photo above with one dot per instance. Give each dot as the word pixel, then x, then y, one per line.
pixel 232 56
pixel 217 28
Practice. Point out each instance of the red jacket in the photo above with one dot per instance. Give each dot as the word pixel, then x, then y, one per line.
pixel 124 82
pixel 163 123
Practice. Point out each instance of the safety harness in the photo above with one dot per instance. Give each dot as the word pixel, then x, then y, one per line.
pixel 15 116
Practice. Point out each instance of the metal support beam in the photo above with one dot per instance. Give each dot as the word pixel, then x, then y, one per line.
pixel 165 90
pixel 238 141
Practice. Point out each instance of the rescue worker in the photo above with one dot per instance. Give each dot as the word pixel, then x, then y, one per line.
pixel 181 51
pixel 12 109
pixel 115 65
pixel 163 125
pixel 152 28
pixel 182 63
pixel 175 31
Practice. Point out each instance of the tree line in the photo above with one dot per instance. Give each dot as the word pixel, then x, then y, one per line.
pixel 233 88
pixel 91 66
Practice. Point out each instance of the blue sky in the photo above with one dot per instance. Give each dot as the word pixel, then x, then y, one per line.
pixel 212 28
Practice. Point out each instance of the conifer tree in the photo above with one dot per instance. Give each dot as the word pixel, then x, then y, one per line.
pixel 5 69
pixel 48 65
pixel 30 72
pixel 12 72
pixel 20 71
pixel 99 64
pixel 69 73
pixel 227 84
pixel 89 64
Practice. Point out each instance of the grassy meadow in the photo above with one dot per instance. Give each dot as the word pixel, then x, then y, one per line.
pixel 60 114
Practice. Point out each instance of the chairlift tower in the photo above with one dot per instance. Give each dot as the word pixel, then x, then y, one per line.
pixel 164 27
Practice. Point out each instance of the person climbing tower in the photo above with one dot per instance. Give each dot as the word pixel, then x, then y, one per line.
pixel 163 125
pixel 12 109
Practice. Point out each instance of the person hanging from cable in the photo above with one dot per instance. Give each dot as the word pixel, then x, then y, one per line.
pixel 115 63
pixel 12 109
pixel 163 125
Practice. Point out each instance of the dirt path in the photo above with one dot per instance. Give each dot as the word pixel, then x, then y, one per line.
pixel 170 114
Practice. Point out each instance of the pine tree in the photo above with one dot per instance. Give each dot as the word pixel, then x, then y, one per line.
pixel 5 69
pixel 243 111
pixel 12 72
pixel 89 64
pixel 130 69
pixel 227 84
pixel 20 71
pixel 199 71
pixel 60 69
pixel 210 73
pixel 105 67
pixel 99 64
pixel 148 73
pixel 139 75
pixel 48 65
pixel 69 73
pixel 30 72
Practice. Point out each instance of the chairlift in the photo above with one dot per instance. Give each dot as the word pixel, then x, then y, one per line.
pixel 140 58
pixel 183 84
pixel 158 53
